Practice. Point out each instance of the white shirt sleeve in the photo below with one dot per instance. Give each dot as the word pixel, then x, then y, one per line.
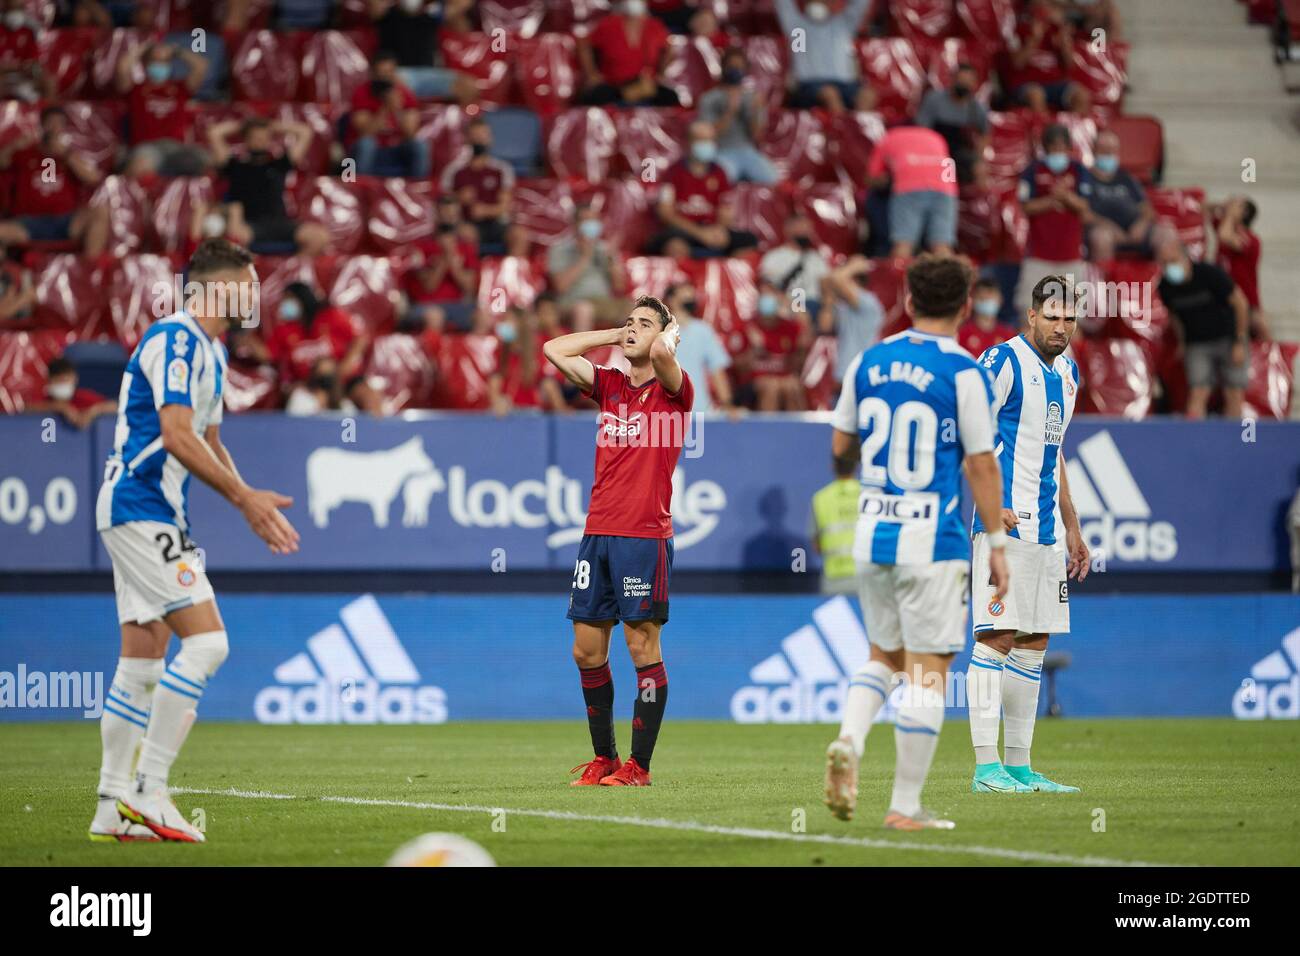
pixel 974 413
pixel 845 416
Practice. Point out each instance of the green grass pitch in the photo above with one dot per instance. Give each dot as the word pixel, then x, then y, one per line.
pixel 1168 791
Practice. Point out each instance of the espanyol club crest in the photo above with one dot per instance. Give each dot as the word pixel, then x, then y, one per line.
pixel 184 575
pixel 996 608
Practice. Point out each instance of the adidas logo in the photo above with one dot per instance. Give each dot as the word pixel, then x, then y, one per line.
pixel 354 673
pixel 1273 688
pixel 1113 513
pixel 805 682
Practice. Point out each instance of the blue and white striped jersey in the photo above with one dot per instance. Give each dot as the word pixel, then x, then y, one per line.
pixel 174 364
pixel 1034 403
pixel 919 403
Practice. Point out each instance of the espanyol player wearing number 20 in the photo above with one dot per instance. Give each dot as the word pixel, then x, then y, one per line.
pixel 169 413
pixel 1034 391
pixel 625 560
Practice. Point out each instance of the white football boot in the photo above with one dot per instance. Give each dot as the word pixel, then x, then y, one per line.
pixel 109 827
pixel 154 809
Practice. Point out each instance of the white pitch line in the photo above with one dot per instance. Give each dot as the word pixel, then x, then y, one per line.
pixel 1021 856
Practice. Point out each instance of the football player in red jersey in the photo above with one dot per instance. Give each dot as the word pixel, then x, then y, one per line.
pixel 626 558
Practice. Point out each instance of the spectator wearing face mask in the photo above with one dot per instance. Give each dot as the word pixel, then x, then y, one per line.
pixel 855 316
pixel 158 113
pixel 1239 250
pixel 826 69
pixel 1049 195
pixel 738 119
pixel 21 74
pixel 982 330
pixel 484 185
pixel 445 276
pixel 79 406
pixel 622 59
pixel 777 346
pixel 587 275
pixel 1122 218
pixel 519 380
pixel 318 392
pixel 383 123
pixel 51 181
pixel 309 329
pixel 254 210
pixel 700 352
pixel 1212 320
pixel 693 204
pixel 797 267
pixel 960 118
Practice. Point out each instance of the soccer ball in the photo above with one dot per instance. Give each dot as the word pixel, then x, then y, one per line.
pixel 441 849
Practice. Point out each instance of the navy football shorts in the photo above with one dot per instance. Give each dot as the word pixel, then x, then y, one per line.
pixel 621 579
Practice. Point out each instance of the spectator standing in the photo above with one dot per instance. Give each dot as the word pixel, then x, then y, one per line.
pixel 1049 196
pixel 1239 250
pixel 158 114
pixel 856 315
pixel 960 118
pixel 914 161
pixel 738 119
pixel 587 275
pixel 383 124
pixel 826 69
pixel 484 186
pixel 700 352
pixel 693 204
pixel 622 60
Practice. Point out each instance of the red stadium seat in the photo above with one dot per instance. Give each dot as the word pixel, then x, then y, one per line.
pixel 141 289
pixel 70 296
pixel 130 227
pixel 1117 378
pixel 834 214
pixel 627 210
pixel 694 67
pixel 647 137
pixel 887 280
pixel 990 23
pixel 175 208
pixel 519 18
pixel 979 224
pixel 265 66
pixel 259 13
pixel 401 372
pixel 942 60
pixel 761 210
pixel 101 81
pixel 580 144
pixel 93 131
pixel 1272 379
pixel 651 275
pixel 818 376
pixel 465 363
pixel 576 16
pixel 334 64
pixel 64 56
pixel 443 128
pixel 400 213
pixel 1141 146
pixel 1103 73
pixel 1185 210
pixel 367 287
pixel 1008 151
pixel 895 72
pixel 506 281
pixel 796 143
pixel 250 388
pixel 544 207
pixel 921 19
pixel 769 65
pixel 339 206
pixel 274 274
pixel 483 57
pixel 1131 309
pixel 727 290
pixel 24 363
pixel 1013 235
pixel 851 139
pixel 547 72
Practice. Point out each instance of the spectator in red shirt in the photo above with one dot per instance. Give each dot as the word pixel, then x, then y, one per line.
pixel 158 106
pixel 520 380
pixel 50 180
pixel 703 24
pixel 1239 256
pixel 383 124
pixel 777 346
pixel 1049 196
pixel 693 204
pixel 21 76
pixel 982 331
pixel 80 406
pixel 1040 60
pixel 446 278
pixel 623 60
pixel 923 189
pixel 484 185
pixel 309 329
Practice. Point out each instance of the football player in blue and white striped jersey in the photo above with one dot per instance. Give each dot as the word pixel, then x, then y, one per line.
pixel 1034 391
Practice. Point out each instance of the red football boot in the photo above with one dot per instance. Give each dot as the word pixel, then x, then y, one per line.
pixel 631 774
pixel 594 770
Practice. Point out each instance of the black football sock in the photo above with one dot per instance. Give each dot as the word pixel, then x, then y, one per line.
pixel 598 692
pixel 648 711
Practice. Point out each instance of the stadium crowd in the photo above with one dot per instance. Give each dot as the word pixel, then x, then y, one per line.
pixel 436 189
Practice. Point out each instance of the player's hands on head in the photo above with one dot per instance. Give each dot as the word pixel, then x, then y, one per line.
pixel 1009 519
pixel 261 510
pixel 670 336
pixel 999 572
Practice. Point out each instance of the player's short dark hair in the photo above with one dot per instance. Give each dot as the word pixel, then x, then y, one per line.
pixel 60 366
pixel 1055 287
pixel 657 306
pixel 939 286
pixel 217 255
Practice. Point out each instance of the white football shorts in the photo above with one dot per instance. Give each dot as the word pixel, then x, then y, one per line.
pixel 1038 601
pixel 920 607
pixel 156 570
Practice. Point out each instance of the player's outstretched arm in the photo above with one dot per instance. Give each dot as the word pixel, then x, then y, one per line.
pixel 260 508
pixel 663 357
pixel 985 478
pixel 565 353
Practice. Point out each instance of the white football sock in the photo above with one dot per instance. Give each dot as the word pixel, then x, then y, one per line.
pixel 916 734
pixel 126 715
pixel 1020 683
pixel 174 704
pixel 984 679
pixel 868 691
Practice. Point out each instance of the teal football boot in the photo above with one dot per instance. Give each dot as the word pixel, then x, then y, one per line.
pixel 1037 781
pixel 993 778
